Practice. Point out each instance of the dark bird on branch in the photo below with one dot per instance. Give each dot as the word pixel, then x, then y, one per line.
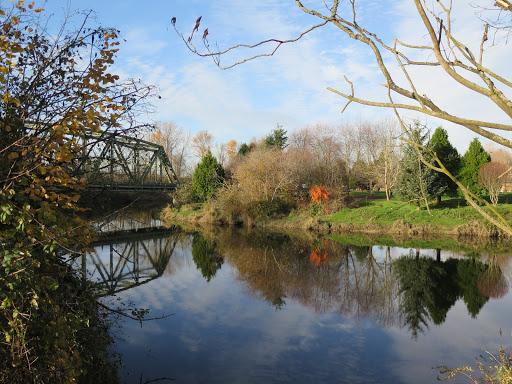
pixel 205 33
pixel 173 21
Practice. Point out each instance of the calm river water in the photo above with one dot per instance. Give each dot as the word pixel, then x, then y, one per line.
pixel 253 307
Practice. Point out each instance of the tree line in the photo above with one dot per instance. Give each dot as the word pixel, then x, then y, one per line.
pixel 367 156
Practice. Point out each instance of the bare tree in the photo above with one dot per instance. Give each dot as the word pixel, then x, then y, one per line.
pixel 327 151
pixel 175 142
pixel 460 58
pixel 386 168
pixel 492 176
pixel 499 154
pixel 265 174
pixel 368 136
pixel 322 161
pixel 202 143
pixel 301 140
pixel 221 153
pixel 351 149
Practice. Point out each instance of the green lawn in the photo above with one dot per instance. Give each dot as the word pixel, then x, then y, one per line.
pixel 451 212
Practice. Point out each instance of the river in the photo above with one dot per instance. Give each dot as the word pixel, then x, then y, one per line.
pixel 252 307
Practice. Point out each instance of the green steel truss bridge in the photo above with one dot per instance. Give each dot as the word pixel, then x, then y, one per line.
pixel 111 161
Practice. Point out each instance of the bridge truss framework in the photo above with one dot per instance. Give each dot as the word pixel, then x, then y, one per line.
pixel 118 162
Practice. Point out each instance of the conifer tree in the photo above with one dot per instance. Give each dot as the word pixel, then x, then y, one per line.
pixel 471 162
pixel 416 181
pixel 207 178
pixel 448 155
pixel 244 149
pixel 277 138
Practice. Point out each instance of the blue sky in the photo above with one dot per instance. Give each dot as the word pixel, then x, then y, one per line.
pixel 289 88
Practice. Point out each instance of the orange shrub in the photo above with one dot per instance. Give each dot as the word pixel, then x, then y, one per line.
pixel 319 195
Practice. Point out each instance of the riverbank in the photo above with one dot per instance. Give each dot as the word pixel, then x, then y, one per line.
pixel 372 219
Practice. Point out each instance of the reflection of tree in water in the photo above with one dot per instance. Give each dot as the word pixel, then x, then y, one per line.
pixel 322 274
pixel 492 282
pixel 262 259
pixel 429 288
pixel 319 255
pixel 468 271
pixel 447 291
pixel 362 282
pixel 360 252
pixel 206 257
pixel 420 279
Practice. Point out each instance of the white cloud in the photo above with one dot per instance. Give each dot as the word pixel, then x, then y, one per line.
pixel 141 42
pixel 444 91
pixel 290 87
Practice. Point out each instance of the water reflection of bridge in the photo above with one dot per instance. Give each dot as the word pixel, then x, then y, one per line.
pixel 125 259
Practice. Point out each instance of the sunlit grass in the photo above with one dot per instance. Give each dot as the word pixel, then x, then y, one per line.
pixel 451 212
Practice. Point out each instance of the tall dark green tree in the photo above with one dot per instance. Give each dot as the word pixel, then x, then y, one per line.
pixel 208 177
pixel 276 139
pixel 449 156
pixel 471 162
pixel 416 180
pixel 429 288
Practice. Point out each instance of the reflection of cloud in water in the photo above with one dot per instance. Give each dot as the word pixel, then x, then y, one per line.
pixel 180 258
pixel 326 328
pixel 258 341
pixel 192 344
pixel 463 339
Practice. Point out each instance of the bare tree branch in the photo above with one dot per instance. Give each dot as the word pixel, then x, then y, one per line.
pixel 216 55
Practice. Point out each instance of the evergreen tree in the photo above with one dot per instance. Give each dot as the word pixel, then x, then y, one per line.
pixel 471 162
pixel 244 149
pixel 207 178
pixel 416 180
pixel 449 156
pixel 277 139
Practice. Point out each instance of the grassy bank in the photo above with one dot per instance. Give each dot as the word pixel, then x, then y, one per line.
pixel 370 216
pixel 451 217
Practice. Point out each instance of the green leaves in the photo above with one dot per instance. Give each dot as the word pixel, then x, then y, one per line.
pixel 472 161
pixel 208 177
pixel 52 89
